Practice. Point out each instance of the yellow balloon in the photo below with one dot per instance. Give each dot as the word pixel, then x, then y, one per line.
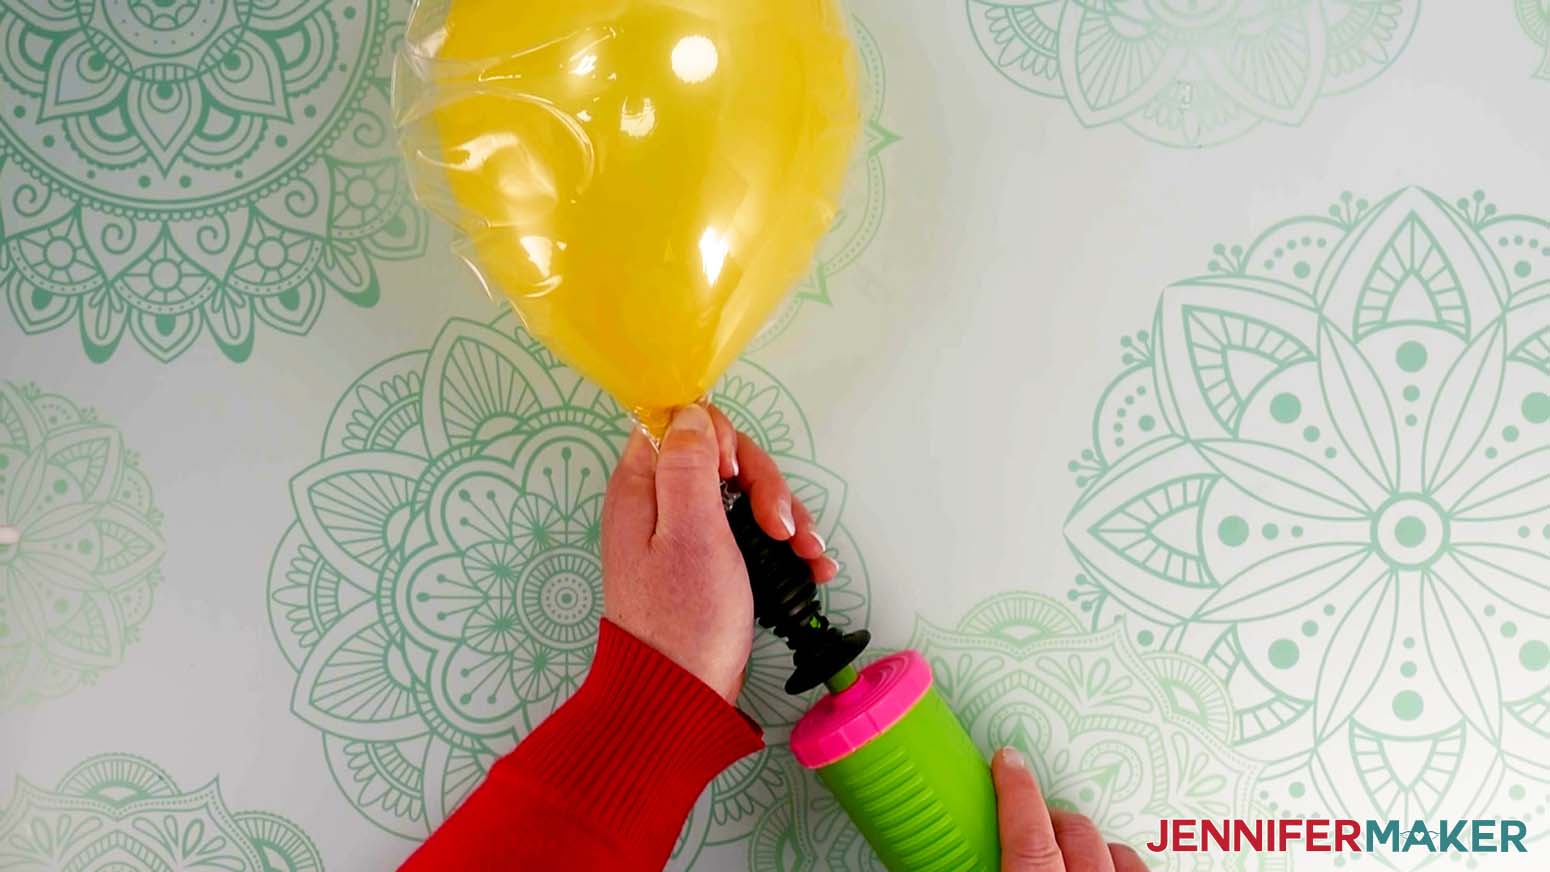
pixel 642 179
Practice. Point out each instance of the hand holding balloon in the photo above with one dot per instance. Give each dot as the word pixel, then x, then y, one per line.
pixel 672 574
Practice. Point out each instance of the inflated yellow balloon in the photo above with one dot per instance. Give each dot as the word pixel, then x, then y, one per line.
pixel 643 179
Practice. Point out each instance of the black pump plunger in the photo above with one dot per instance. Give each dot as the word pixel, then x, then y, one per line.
pixel 785 600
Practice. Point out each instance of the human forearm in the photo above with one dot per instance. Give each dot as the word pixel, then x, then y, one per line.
pixel 607 780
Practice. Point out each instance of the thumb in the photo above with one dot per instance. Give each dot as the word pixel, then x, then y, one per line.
pixel 688 477
pixel 1027 835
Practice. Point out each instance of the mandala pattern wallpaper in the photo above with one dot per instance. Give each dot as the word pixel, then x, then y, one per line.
pixel 299 535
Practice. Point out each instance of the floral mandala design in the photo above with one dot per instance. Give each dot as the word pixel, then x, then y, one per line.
pixel 76 587
pixel 1191 72
pixel 861 205
pixel 1124 737
pixel 439 592
pixel 1534 16
pixel 117 811
pixel 172 168
pixel 1323 473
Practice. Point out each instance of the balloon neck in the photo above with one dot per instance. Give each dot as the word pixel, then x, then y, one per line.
pixel 653 423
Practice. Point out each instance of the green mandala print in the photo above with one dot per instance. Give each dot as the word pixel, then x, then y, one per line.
pixel 1534 16
pixel 439 591
pixel 78 580
pixel 1122 736
pixel 118 811
pixel 861 204
pixel 1324 473
pixel 1191 72
pixel 170 169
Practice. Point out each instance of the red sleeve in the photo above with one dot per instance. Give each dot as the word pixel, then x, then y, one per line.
pixel 606 781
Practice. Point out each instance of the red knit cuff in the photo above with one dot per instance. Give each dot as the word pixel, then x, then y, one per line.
pixel 637 743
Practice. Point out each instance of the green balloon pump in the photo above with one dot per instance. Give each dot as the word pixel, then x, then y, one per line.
pixel 882 740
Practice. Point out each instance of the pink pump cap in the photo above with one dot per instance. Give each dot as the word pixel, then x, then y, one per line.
pixel 842 722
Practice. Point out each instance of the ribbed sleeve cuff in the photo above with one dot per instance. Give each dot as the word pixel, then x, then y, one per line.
pixel 637 743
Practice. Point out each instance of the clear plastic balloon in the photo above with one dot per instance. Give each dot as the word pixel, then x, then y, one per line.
pixel 642 179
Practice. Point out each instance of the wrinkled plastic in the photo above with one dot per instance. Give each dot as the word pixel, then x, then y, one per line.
pixel 642 179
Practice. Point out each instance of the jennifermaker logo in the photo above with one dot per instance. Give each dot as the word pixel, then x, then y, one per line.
pixel 1476 836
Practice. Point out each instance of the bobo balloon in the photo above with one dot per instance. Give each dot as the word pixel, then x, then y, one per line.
pixel 642 179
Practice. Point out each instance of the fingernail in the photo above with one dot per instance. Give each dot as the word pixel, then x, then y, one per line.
pixel 822 545
pixel 735 468
pixel 690 419
pixel 832 565
pixel 783 509
pixel 1014 758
